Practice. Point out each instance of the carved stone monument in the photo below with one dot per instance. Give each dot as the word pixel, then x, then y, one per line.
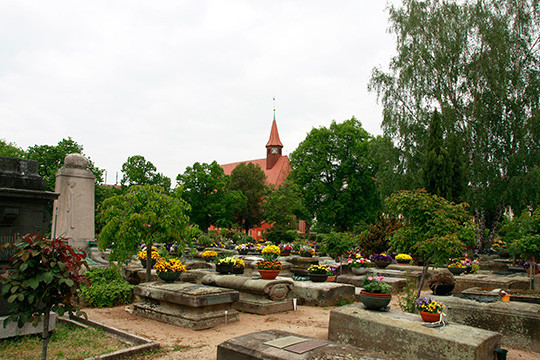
pixel 73 214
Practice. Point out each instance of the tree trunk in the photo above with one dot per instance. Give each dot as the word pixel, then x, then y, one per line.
pixel 45 335
pixel 148 262
pixel 422 279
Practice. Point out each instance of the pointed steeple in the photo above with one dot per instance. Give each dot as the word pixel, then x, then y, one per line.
pixel 273 146
pixel 274 135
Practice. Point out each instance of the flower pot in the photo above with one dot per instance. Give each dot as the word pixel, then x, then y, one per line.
pixel 331 278
pixel 224 268
pixel 285 252
pixel 430 317
pixel 374 301
pixel 535 271
pixel 238 270
pixel 269 274
pixel 168 276
pixel 443 290
pixel 505 298
pixel 403 262
pixel 359 270
pixel 143 263
pixel 381 264
pixel 456 270
pixel 318 277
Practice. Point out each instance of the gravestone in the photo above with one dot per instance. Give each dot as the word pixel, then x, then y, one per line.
pixel 73 215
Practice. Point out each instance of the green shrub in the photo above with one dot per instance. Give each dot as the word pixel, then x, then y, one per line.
pixel 280 236
pixel 336 244
pixel 107 288
pixel 375 240
pixel 205 240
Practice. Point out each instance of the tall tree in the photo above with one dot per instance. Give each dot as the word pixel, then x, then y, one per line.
pixel 283 206
pixel 50 159
pixel 11 150
pixel 477 63
pixel 206 188
pixel 138 171
pixel 333 168
pixel 249 179
pixel 438 167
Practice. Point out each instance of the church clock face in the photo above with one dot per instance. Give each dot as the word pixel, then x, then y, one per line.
pixel 274 150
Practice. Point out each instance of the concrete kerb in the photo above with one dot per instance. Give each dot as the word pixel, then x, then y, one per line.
pixel 140 344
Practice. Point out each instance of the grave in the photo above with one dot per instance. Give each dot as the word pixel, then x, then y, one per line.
pixel 257 296
pixel 12 329
pixel 187 305
pixel 321 294
pixel 282 345
pixel 493 294
pixel 518 322
pixel 404 334
pixel 515 281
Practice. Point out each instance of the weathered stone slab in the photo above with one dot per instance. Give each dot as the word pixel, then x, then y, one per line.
pixel 516 295
pixel 257 296
pixel 518 322
pixel 12 329
pixel 193 306
pixel 282 345
pixel 402 334
pixel 491 281
pixel 321 294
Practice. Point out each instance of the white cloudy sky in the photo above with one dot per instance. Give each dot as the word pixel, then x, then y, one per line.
pixel 186 81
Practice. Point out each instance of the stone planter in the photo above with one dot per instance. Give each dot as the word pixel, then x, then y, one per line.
pixel 269 274
pixel 456 271
pixel 359 270
pixel 443 290
pixel 224 268
pixel 430 317
pixel 169 276
pixel 238 270
pixel 318 277
pixel 381 264
pixel 373 301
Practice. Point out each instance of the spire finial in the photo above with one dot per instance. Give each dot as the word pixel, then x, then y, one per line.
pixel 274 108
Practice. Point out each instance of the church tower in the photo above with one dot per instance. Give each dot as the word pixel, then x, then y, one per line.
pixel 273 147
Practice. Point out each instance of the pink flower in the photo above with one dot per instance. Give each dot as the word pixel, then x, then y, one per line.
pixel 370 278
pixel 381 277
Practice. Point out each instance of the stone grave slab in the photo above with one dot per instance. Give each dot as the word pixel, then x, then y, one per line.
pixel 12 329
pixel 193 306
pixel 515 281
pixel 515 295
pixel 282 345
pixel 519 323
pixel 321 294
pixel 257 296
pixel 399 333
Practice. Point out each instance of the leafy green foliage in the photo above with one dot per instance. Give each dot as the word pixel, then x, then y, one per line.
pixel 249 179
pixel 336 175
pixel 43 276
pixel 280 236
pixel 523 234
pixel 143 214
pixel 407 296
pixel 336 244
pixel 11 150
pixel 107 288
pixel 283 205
pixel 137 171
pixel 476 62
pixel 375 240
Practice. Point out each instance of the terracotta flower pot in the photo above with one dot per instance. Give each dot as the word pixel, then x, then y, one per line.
pixel 168 276
pixel 374 301
pixel 430 317
pixel 318 277
pixel 331 278
pixel 535 271
pixel 269 274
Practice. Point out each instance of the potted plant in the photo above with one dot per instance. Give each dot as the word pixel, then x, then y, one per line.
pixel 239 266
pixel 209 255
pixel 306 251
pixel 430 310
pixel 225 265
pixel 170 269
pixel 332 274
pixel 442 284
pixel 505 297
pixel 456 267
pixel 318 273
pixel 285 249
pixel 204 241
pixel 359 266
pixel 244 249
pixel 141 255
pixel 376 294
pixel 531 267
pixel 381 260
pixel 403 259
pixel 269 267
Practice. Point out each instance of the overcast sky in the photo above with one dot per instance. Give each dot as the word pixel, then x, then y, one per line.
pixel 180 82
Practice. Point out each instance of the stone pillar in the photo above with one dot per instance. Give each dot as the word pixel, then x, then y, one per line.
pixel 73 214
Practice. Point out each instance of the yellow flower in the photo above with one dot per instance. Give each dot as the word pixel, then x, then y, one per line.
pixel 169 265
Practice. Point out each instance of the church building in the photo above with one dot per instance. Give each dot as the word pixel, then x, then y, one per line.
pixel 276 168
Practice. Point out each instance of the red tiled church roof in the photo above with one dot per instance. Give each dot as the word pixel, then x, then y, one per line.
pixel 276 175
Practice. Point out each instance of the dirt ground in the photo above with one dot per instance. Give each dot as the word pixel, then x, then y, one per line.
pixel 202 345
